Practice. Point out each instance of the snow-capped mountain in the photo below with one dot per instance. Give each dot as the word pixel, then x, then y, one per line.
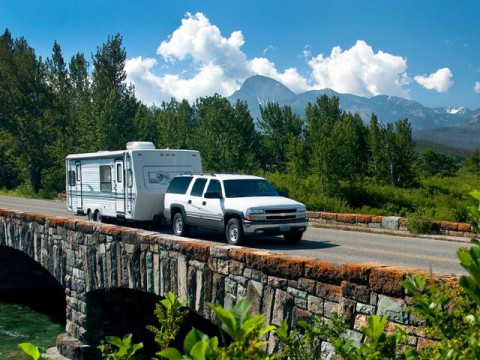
pixel 259 90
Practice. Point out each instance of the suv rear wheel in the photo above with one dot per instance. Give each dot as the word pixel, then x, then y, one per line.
pixel 234 232
pixel 179 226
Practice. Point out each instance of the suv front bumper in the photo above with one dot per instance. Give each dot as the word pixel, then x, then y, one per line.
pixel 274 227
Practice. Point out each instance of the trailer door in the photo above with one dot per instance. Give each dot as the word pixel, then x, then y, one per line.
pixel 119 180
pixel 74 186
pixel 70 185
pixel 78 186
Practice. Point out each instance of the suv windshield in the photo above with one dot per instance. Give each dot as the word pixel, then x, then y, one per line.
pixel 248 187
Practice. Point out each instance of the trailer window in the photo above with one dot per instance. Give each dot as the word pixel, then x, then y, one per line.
pixel 119 173
pixel 105 178
pixel 71 178
pixel 129 178
pixel 78 172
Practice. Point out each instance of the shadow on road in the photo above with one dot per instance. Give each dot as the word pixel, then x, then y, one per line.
pixel 273 243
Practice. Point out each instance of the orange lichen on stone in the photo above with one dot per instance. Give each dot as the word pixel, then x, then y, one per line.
pixel 130 236
pixel 85 226
pixel 465 227
pixel 323 271
pixel 387 280
pixel 276 265
pixel 112 230
pixel 449 225
pixel 237 253
pixel 57 221
pixel 329 292
pixel 364 219
pixel 356 273
pixel 195 250
pixel 347 218
pixel 328 216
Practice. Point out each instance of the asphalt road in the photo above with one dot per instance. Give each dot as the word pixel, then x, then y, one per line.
pixel 339 246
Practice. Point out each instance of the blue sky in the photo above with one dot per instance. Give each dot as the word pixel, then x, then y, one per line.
pixel 428 51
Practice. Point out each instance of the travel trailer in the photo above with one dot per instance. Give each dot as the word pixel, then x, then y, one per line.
pixel 125 184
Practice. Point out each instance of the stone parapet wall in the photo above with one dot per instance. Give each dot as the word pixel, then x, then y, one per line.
pixel 395 223
pixel 86 256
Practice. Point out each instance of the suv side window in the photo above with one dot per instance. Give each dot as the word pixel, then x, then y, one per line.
pixel 198 187
pixel 179 185
pixel 214 186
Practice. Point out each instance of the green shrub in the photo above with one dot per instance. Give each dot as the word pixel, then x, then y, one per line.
pixel 170 313
pixel 114 348
pixel 419 223
pixel 34 352
pixel 245 331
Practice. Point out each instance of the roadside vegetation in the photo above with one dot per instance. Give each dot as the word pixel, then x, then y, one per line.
pixel 449 314
pixel 327 158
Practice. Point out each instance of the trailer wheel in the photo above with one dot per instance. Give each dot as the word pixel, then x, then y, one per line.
pixel 89 215
pixel 97 216
pixel 179 226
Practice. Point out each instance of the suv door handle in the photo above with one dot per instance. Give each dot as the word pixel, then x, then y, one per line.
pixel 204 203
pixel 189 201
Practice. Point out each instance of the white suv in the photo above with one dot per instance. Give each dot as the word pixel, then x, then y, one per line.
pixel 239 205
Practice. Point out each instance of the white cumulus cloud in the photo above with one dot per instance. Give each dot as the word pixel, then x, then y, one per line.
pixel 476 87
pixel 360 71
pixel 217 64
pixel 441 80
pixel 220 66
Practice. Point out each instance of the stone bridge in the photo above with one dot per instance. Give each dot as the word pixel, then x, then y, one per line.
pixel 112 276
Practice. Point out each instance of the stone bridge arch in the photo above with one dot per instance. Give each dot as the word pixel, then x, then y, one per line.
pixel 90 258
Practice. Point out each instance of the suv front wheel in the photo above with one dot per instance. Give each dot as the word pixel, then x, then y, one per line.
pixel 234 232
pixel 179 226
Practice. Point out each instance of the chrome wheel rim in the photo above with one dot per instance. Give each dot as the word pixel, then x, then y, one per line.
pixel 178 226
pixel 233 232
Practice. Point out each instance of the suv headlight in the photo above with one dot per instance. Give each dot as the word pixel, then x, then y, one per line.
pixel 301 209
pixel 251 214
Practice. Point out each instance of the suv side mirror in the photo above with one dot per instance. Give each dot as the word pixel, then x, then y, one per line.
pixel 283 193
pixel 212 195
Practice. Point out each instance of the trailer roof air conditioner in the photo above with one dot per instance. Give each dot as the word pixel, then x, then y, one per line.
pixel 140 145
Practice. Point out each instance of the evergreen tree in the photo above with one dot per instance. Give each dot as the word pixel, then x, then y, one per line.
pixel 175 124
pixel 247 160
pixel 280 129
pixel 10 176
pixel 82 121
pixel 65 129
pixel 144 124
pixel 404 154
pixel 217 137
pixel 348 144
pixel 321 118
pixel 26 103
pixel 391 153
pixel 380 152
pixel 472 162
pixel 431 163
pixel 114 103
